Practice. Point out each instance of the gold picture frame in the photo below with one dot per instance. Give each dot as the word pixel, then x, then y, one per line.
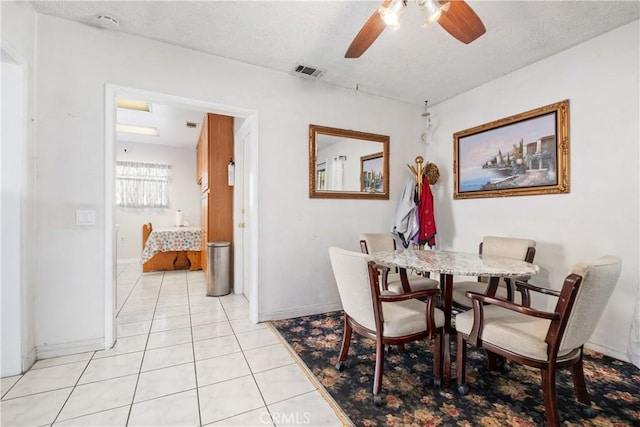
pixel 522 155
pixel 372 173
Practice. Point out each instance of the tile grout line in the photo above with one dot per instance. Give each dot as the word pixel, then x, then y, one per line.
pixel 128 295
pixel 73 389
pixel 193 351
pixel 144 351
pixel 253 377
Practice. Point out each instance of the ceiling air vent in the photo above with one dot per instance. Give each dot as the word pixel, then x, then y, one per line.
pixel 106 21
pixel 307 71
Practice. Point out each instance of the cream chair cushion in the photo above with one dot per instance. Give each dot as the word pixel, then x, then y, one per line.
pixel 509 330
pixel 508 247
pixel 407 317
pixel 461 288
pixel 526 335
pixel 598 282
pixel 416 283
pixel 352 277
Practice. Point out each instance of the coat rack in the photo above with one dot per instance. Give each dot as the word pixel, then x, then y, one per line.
pixel 419 171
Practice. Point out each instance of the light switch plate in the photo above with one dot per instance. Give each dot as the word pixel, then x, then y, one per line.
pixel 85 217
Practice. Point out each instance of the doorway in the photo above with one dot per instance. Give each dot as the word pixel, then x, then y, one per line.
pixel 12 153
pixel 245 201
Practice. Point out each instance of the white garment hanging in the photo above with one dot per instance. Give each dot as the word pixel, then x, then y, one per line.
pixel 405 224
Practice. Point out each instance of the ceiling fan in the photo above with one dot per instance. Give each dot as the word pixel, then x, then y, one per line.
pixel 455 16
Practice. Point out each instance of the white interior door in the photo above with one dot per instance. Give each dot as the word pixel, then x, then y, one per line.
pixel 241 244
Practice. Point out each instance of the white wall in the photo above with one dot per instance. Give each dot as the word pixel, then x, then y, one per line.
pixel 184 194
pixel 17 289
pixel 294 274
pixel 600 214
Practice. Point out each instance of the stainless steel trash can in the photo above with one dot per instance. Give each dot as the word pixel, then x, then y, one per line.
pixel 218 268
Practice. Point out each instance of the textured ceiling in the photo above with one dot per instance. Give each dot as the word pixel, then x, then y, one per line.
pixel 411 64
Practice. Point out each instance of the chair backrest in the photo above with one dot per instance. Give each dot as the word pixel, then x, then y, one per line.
pixel 507 247
pixel 146 231
pixel 351 271
pixel 510 247
pixel 599 279
pixel 377 242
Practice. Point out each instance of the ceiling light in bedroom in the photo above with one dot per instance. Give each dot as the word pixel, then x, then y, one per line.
pixel 133 104
pixel 137 130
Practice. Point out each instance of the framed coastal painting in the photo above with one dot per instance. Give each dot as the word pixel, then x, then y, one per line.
pixel 371 173
pixel 521 155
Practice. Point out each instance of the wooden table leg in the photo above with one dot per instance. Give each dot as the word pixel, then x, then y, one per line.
pixel 493 286
pixel 194 260
pixel 446 289
pixel 404 280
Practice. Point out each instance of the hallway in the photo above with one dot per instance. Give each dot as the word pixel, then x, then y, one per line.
pixel 181 359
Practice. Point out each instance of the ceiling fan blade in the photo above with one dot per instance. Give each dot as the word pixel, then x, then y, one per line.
pixel 367 35
pixel 462 22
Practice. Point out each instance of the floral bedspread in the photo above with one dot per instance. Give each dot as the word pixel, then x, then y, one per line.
pixel 172 239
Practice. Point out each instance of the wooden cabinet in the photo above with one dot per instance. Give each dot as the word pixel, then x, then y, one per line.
pixel 204 209
pixel 198 163
pixel 202 155
pixel 215 150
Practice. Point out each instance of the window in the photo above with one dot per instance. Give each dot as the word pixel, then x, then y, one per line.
pixel 142 185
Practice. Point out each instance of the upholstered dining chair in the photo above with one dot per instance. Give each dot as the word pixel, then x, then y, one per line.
pixel 540 339
pixel 386 317
pixel 510 247
pixel 390 279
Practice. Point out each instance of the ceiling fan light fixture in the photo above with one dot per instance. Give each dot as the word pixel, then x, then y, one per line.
pixel 391 14
pixel 434 10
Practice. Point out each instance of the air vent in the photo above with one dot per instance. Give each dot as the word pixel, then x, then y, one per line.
pixel 192 125
pixel 107 22
pixel 307 71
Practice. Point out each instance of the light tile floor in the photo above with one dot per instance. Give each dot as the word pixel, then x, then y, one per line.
pixel 181 359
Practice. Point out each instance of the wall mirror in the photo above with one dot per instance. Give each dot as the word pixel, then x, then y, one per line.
pixel 347 164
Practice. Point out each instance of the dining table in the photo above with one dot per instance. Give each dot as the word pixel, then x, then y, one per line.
pixel 449 264
pixel 182 245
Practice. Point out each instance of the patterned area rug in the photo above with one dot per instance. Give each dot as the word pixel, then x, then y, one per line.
pixel 495 399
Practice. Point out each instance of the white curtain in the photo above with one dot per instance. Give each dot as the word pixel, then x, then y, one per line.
pixel 142 185
pixel 633 351
pixel 336 170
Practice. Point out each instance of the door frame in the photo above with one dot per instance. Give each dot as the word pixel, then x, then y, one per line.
pixel 17 336
pixel 250 193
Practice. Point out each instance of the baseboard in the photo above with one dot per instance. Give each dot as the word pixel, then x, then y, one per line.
pixel 608 351
pixel 129 261
pixel 298 312
pixel 28 360
pixel 55 350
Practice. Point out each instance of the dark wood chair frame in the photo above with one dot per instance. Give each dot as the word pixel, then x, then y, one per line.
pixel 559 318
pixel 431 332
pixel 491 291
pixel 384 271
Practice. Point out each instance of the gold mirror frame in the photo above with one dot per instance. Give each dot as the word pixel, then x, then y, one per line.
pixel 377 152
